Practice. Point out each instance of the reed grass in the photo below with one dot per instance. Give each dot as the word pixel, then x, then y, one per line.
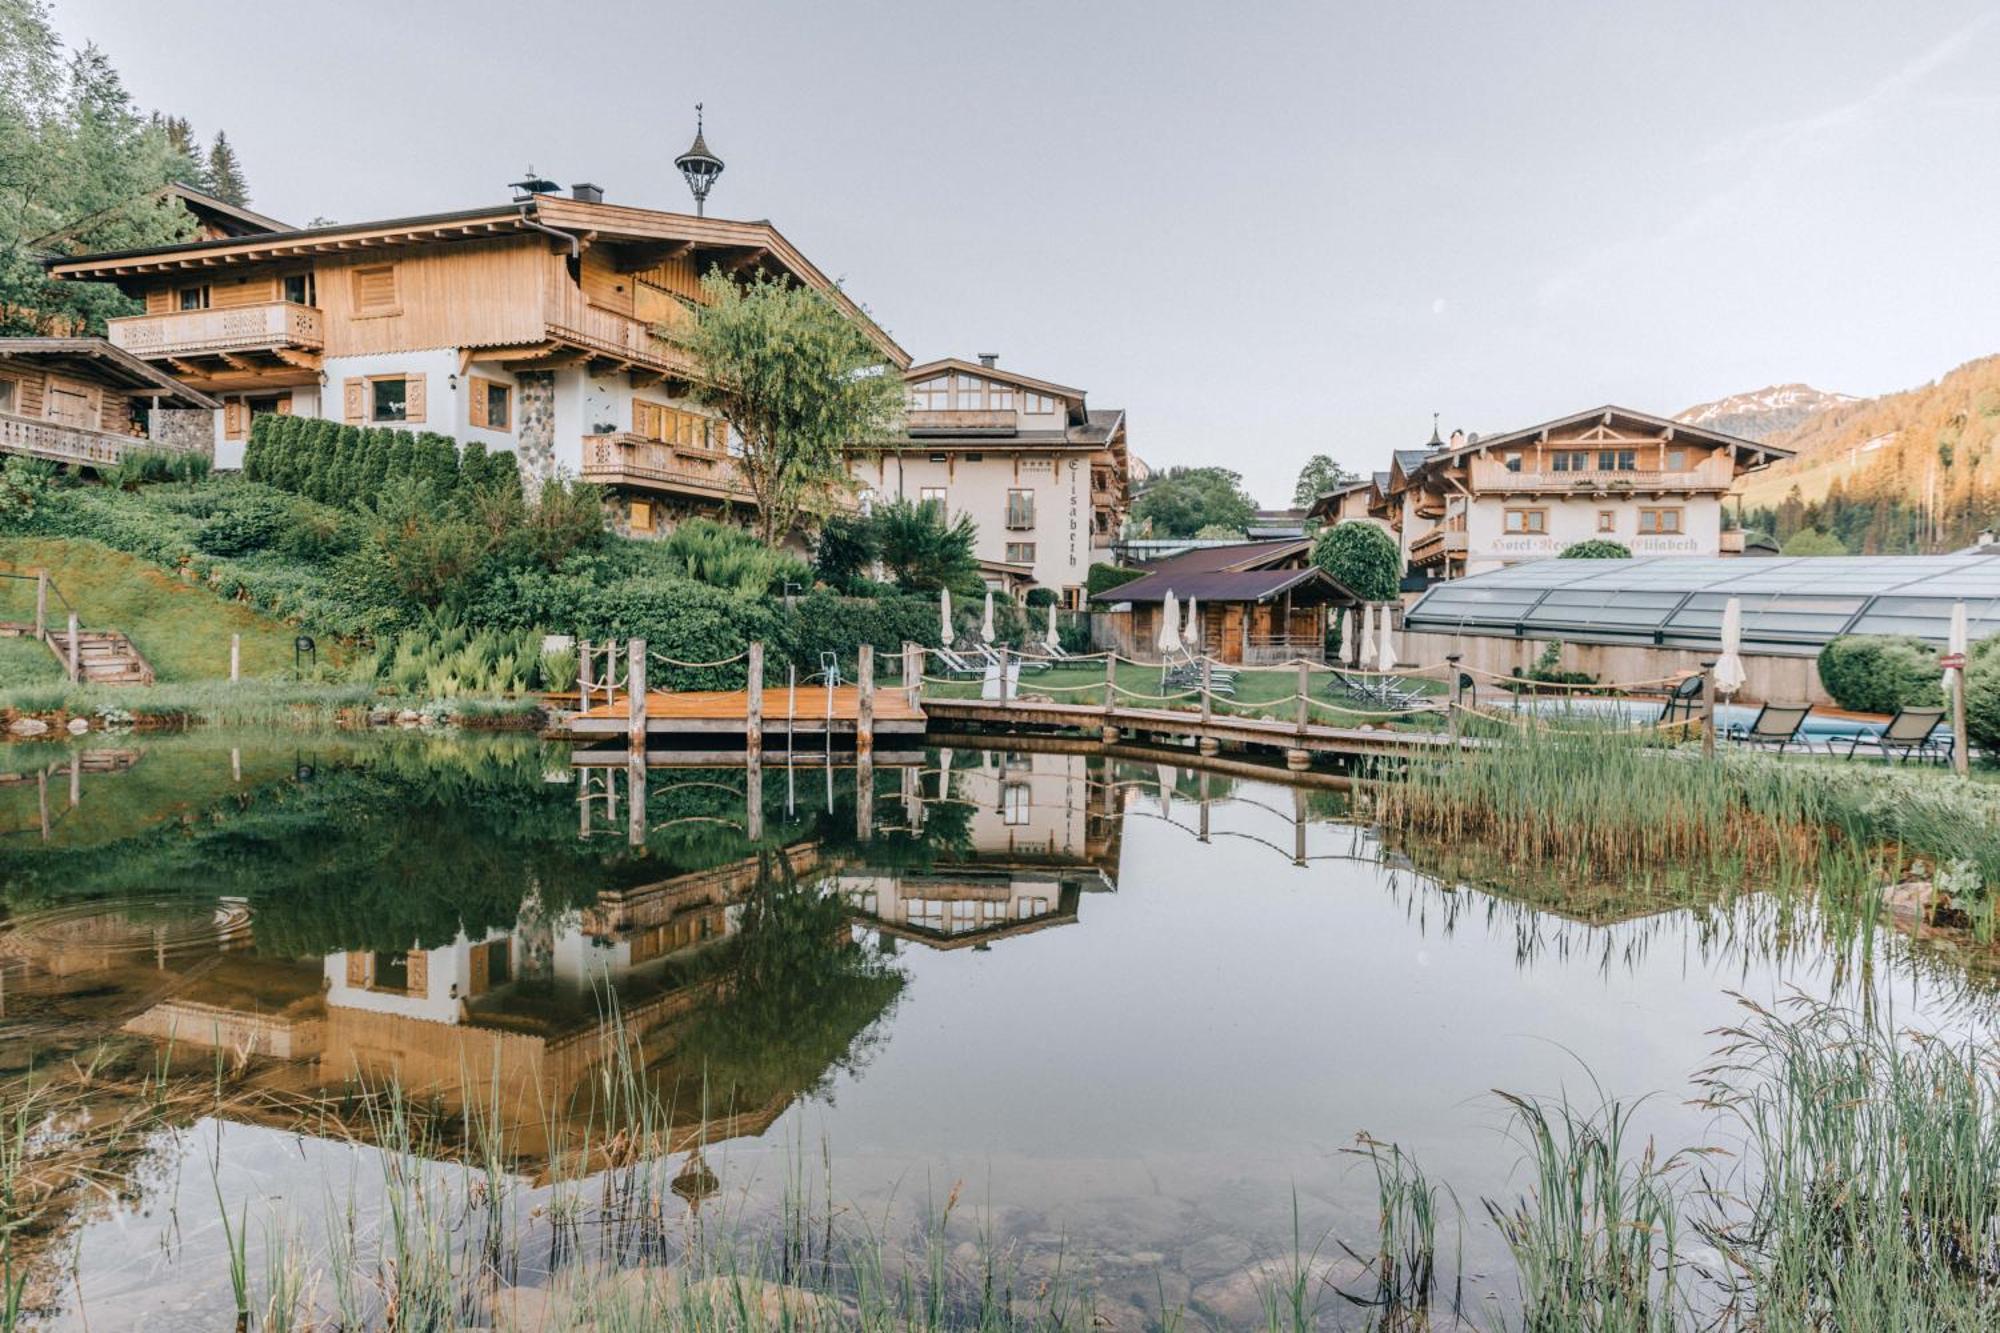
pixel 1595 804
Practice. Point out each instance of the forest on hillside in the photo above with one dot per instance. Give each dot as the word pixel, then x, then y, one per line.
pixel 1917 471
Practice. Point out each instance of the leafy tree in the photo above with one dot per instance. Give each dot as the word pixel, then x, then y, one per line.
pixel 79 169
pixel 1320 475
pixel 426 549
pixel 923 551
pixel 1184 500
pixel 1811 541
pixel 845 550
pixel 225 173
pixel 1220 532
pixel 1597 548
pixel 799 382
pixel 1362 558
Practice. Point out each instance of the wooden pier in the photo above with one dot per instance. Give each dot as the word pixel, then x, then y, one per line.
pixel 1299 741
pixel 712 713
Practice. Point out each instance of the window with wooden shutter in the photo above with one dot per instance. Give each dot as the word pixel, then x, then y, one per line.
pixel 420 973
pixel 375 290
pixel 357 969
pixel 413 398
pixel 492 404
pixel 235 419
pixel 354 398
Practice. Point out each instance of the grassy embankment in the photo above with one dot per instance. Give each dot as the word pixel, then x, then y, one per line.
pixel 181 628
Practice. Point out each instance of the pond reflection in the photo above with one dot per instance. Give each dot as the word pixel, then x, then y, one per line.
pixel 1141 1004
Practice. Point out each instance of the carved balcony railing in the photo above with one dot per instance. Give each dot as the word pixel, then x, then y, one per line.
pixel 272 324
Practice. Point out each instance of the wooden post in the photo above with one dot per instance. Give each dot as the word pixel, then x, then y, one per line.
pixel 235 764
pixel 1207 697
pixel 1305 692
pixel 864 683
pixel 864 794
pixel 1298 826
pixel 41 603
pixel 635 698
pixel 913 671
pixel 75 780
pixel 75 652
pixel 1003 673
pixel 753 708
pixel 635 798
pixel 1961 760
pixel 583 678
pixel 1708 710
pixel 1202 778
pixel 1457 697
pixel 235 658
pixel 753 796
pixel 583 800
pixel 1110 685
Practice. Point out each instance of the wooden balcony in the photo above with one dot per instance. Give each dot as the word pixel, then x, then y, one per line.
pixel 1436 545
pixel 60 443
pixel 646 464
pixel 608 335
pixel 1490 477
pixel 268 326
pixel 955 423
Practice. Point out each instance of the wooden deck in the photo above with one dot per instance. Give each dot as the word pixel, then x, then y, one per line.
pixel 725 712
pixel 1314 738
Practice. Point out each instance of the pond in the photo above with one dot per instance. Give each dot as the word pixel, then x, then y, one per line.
pixel 1111 1022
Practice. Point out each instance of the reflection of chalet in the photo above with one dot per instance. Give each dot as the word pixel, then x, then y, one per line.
pixel 524 1011
pixel 963 906
pixel 1042 832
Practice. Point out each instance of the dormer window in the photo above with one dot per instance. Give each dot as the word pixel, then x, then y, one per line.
pixel 968 393
pixel 1037 403
pixel 931 395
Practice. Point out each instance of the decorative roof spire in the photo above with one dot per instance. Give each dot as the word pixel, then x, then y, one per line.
pixel 1436 442
pixel 699 167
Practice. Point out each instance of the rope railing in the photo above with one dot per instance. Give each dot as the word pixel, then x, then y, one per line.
pixel 656 656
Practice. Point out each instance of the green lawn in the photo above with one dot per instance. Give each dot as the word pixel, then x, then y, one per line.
pixel 182 629
pixel 25 661
pixel 1260 692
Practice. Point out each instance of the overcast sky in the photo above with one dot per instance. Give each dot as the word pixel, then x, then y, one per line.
pixel 1265 230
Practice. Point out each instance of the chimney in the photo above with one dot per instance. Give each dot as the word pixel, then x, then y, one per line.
pixel 587 193
pixel 1985 538
pixel 989 359
pixel 1457 438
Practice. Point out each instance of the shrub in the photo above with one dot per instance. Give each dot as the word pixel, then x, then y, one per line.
pixel 24 486
pixel 1362 558
pixel 144 467
pixel 1811 541
pixel 1041 597
pixel 1982 695
pixel 1871 673
pixel 254 523
pixel 1596 549
pixel 730 558
pixel 1103 578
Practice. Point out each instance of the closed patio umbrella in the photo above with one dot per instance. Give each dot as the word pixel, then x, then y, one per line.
pixel 944 616
pixel 1729 673
pixel 1367 635
pixel 1050 638
pixel 1169 641
pixel 1192 639
pixel 1387 643
pixel 986 621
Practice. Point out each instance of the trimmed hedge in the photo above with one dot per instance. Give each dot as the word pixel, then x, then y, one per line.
pixel 1597 548
pixel 1103 578
pixel 1872 673
pixel 349 465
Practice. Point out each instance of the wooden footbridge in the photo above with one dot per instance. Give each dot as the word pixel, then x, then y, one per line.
pixel 659 724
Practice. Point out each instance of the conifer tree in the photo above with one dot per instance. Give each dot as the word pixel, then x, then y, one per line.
pixel 225 173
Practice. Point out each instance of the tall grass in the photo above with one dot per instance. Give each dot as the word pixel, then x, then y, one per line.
pixel 1594 804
